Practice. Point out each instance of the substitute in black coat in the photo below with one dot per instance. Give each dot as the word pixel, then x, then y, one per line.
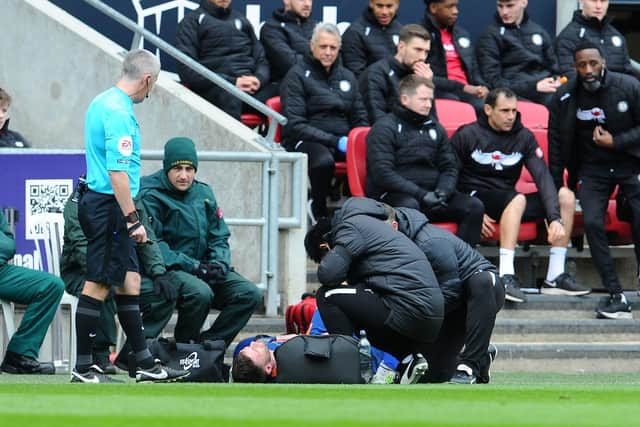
pixel 452 57
pixel 379 83
pixel 321 100
pixel 492 152
pixel 517 53
pixel 373 36
pixel 592 24
pixel 224 41
pixel 594 132
pixel 390 290
pixel 473 295
pixel 8 138
pixel 410 162
pixel 286 35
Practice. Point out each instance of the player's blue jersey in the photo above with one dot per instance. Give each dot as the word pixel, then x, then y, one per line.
pixel 112 141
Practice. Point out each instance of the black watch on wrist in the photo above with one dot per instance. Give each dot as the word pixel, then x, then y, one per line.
pixel 133 217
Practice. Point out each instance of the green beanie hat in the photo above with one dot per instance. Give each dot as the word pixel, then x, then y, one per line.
pixel 179 151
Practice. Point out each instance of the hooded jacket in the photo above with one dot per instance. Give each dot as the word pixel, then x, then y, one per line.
pixel 379 86
pixel 438 60
pixel 188 225
pixel 366 41
pixel 409 153
pixel 620 104
pixel 321 106
pixel 581 29
pixel 223 41
pixel 285 37
pixel 516 56
pixel 7 242
pixel 11 139
pixel 453 260
pixel 367 250
pixel 492 160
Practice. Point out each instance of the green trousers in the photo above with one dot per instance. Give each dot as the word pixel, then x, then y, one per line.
pixel 41 293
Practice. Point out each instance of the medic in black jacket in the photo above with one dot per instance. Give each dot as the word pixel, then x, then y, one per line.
pixel 410 162
pixel 594 132
pixel 517 53
pixel 492 152
pixel 285 37
pixel 223 41
pixel 592 24
pixel 371 37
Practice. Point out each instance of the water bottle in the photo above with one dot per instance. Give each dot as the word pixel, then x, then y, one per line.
pixel 364 348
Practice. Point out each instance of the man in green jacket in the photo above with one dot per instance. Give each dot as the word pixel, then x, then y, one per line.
pixel 193 238
pixel 159 290
pixel 41 293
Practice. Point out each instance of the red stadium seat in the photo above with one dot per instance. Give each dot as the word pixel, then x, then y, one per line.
pixel 357 160
pixel 534 116
pixel 453 114
pixel 253 120
pixel 275 104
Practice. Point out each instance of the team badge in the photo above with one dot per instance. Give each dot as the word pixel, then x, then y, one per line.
pixel 125 146
pixel 238 24
pixel 433 134
pixel 616 41
pixel 345 86
pixel 464 42
pixel 396 39
pixel 595 114
pixel 536 39
pixel 497 159
pixel 623 107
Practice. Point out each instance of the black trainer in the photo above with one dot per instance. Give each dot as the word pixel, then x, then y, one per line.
pixel 15 363
pixel 160 374
pixel 94 375
pixel 104 363
pixel 463 375
pixel 512 290
pixel 564 284
pixel 484 376
pixel 412 372
pixel 614 308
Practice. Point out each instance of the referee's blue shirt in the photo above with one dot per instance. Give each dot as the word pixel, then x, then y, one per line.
pixel 112 141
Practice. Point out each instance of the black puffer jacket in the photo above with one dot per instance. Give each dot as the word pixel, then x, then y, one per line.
pixel 379 86
pixel 222 40
pixel 621 107
pixel 453 260
pixel 492 160
pixel 409 153
pixel 366 41
pixel 321 106
pixel 11 139
pixel 438 60
pixel 602 33
pixel 515 56
pixel 285 37
pixel 367 250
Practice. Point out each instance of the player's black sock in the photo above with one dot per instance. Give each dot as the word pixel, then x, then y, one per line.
pixel 87 319
pixel 131 321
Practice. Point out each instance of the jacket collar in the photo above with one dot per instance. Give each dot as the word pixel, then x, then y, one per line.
pixel 215 11
pixel 525 19
pixel 288 16
pixel 411 117
pixel 580 19
pixel 399 67
pixel 5 128
pixel 432 26
pixel 318 67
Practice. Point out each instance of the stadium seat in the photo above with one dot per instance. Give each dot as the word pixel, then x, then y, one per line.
pixel 534 116
pixel 453 114
pixel 253 120
pixel 276 105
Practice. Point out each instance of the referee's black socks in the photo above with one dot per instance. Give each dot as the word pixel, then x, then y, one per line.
pixel 131 321
pixel 87 319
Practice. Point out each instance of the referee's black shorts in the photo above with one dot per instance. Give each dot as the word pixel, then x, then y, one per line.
pixel 110 250
pixel 496 201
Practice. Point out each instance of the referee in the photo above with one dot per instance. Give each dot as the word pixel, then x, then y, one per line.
pixel 111 223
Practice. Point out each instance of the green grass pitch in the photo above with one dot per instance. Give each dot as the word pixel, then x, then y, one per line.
pixel 510 400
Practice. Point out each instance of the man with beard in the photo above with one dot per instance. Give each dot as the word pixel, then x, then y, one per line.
pixel 594 132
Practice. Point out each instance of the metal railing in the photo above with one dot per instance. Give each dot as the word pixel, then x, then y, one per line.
pixel 140 33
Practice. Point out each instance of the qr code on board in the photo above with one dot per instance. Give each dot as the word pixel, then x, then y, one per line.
pixel 44 196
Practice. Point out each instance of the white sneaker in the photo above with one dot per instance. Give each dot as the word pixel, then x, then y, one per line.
pixel 414 370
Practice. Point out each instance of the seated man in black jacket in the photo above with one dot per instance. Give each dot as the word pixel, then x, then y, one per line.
pixel 410 163
pixel 8 138
pixel 286 35
pixel 594 132
pixel 517 53
pixel 373 36
pixel 473 295
pixel 223 40
pixel 376 279
pixel 321 100
pixel 591 23
pixel 452 58
pixel 492 152
pixel 379 83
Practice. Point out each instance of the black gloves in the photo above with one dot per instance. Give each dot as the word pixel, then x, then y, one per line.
pixel 210 273
pixel 435 199
pixel 163 285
